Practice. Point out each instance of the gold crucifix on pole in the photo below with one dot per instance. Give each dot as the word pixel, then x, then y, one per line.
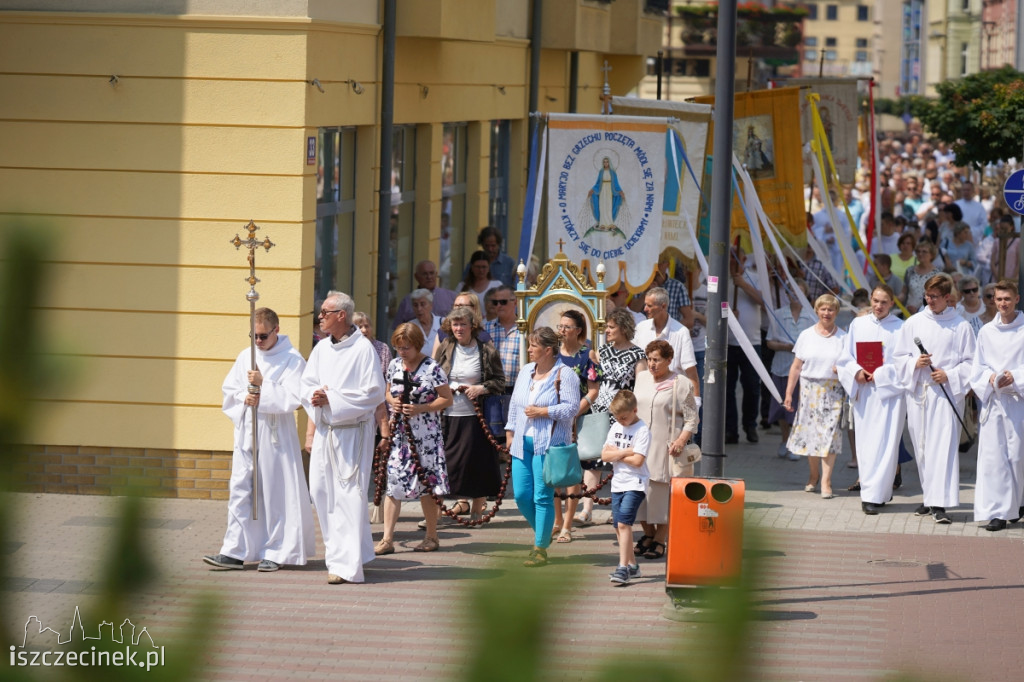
pixel 252 296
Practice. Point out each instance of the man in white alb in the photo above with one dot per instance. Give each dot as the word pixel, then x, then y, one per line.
pixel 998 381
pixel 283 533
pixel 341 388
pixel 927 378
pixel 879 408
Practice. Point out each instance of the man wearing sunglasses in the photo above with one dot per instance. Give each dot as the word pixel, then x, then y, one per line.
pixel 341 390
pixel 283 533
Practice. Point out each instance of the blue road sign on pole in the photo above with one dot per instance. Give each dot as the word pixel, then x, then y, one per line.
pixel 1013 192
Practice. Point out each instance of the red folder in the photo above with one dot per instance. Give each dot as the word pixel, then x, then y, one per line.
pixel 870 355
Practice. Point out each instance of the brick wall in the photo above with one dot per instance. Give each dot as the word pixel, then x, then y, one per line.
pixel 195 474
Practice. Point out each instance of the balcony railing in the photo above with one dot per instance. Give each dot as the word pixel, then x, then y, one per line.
pixel 773 33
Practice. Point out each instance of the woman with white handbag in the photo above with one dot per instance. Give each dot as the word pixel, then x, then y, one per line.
pixel 665 402
pixel 621 361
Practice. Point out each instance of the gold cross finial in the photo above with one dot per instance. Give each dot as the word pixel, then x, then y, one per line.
pixel 560 245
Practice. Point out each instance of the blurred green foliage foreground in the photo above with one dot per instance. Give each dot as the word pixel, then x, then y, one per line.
pixel 27 372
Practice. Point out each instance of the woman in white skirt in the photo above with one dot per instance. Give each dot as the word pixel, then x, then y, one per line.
pixel 816 433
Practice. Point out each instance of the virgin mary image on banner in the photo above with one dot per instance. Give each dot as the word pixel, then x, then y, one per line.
pixel 756 149
pixel 606 200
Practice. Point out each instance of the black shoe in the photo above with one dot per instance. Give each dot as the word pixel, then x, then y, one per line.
pixel 223 561
pixel 855 488
pixel 868 508
pixel 1020 515
pixel 995 524
pixel 898 481
pixel 941 516
pixel 751 432
pixel 732 438
pixel 923 511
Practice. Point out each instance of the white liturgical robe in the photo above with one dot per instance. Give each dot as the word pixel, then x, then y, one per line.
pixel 284 532
pixel 879 408
pixel 342 457
pixel 934 429
pixel 1001 420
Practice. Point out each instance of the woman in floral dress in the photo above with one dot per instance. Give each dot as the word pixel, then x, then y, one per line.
pixel 816 433
pixel 421 404
pixel 621 361
pixel 577 356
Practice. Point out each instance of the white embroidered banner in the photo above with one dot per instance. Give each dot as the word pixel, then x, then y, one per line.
pixel 838 109
pixel 606 177
pixel 689 123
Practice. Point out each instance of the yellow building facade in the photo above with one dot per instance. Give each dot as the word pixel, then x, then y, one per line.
pixel 145 141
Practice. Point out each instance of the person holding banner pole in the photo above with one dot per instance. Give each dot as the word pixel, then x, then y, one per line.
pixel 746 304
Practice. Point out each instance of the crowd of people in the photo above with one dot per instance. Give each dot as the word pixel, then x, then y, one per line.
pixel 446 401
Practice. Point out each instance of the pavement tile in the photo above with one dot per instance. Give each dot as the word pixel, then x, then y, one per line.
pixel 841 596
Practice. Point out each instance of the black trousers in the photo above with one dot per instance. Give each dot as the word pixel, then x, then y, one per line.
pixel 738 367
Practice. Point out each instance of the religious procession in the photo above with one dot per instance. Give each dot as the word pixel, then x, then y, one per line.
pixel 860 316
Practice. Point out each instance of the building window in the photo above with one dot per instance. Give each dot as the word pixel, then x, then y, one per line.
pixel 830 42
pixel 861 42
pixel 810 55
pixel 335 210
pixel 963 57
pixel 453 203
pixel 810 41
pixel 497 213
pixel 862 13
pixel 830 55
pixel 831 12
pixel 812 11
pixel 861 56
pixel 403 202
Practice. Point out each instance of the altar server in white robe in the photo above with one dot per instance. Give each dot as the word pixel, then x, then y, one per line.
pixel 998 381
pixel 934 429
pixel 341 388
pixel 879 408
pixel 283 533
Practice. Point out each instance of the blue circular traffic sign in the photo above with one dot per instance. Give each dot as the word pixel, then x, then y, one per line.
pixel 1013 192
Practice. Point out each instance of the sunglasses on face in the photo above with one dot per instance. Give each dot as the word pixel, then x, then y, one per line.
pixel 261 337
pixel 971 291
pixel 501 301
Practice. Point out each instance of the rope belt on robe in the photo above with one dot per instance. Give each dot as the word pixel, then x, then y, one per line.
pixel 337 471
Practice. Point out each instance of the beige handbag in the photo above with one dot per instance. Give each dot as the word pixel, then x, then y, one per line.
pixel 683 464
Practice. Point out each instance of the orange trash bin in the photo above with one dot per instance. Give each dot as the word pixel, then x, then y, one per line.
pixel 705 532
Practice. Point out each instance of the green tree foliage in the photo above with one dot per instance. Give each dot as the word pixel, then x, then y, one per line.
pixel 981 116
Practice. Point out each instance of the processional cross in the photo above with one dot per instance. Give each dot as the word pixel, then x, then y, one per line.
pixel 252 296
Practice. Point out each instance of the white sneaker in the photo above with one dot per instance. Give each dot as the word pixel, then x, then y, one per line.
pixel 782 451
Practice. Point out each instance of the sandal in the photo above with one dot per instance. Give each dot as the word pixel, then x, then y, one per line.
pixel 384 547
pixel 538 557
pixel 461 507
pixel 643 544
pixel 584 519
pixel 564 537
pixel 656 550
pixel 428 545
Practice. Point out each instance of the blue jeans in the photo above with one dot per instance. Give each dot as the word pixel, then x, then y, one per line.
pixel 625 505
pixel 535 500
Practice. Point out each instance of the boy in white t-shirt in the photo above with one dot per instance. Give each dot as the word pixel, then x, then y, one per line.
pixel 626 447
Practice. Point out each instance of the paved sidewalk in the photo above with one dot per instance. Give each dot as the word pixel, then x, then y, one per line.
pixel 843 596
